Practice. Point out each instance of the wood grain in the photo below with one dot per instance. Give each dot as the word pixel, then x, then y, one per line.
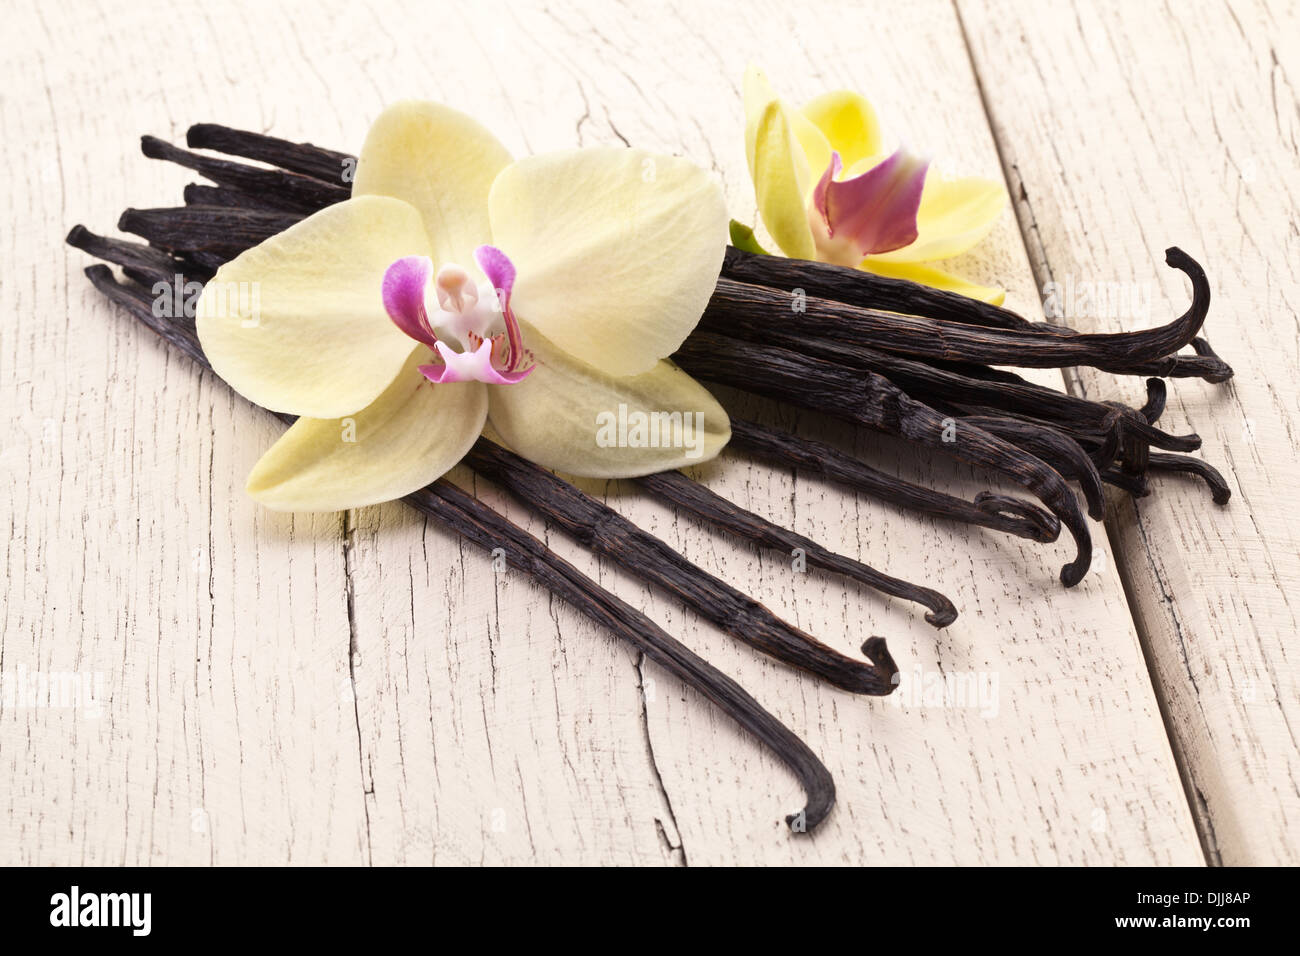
pixel 1123 128
pixel 364 688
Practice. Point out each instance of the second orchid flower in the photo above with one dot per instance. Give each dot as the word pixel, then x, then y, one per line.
pixel 827 190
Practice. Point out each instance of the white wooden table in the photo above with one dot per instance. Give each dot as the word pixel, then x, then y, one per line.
pixel 364 688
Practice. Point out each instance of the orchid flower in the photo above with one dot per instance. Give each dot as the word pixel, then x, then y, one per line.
pixel 826 190
pixel 371 327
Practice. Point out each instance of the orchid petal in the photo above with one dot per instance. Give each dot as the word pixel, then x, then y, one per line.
pixel 935 278
pixel 867 214
pixel 310 335
pixel 409 436
pixel 849 124
pixel 440 161
pixel 475 366
pixel 566 416
pixel 405 284
pixel 779 168
pixel 954 216
pixel 618 250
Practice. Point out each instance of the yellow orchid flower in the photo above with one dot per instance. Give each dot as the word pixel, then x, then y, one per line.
pixel 826 190
pixel 371 329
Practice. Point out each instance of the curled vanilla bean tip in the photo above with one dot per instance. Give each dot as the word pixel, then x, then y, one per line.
pixel 1220 493
pixel 1072 573
pixel 875 650
pixel 1157 394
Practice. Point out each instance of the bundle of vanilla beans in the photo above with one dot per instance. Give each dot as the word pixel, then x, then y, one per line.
pixel 918 363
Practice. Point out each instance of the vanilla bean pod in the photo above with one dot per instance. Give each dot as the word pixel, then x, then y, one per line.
pixel 280 189
pixel 826 281
pixel 145 264
pixel 869 399
pixel 199 194
pixel 1056 448
pixel 225 230
pixel 604 531
pixel 1157 395
pixel 452 507
pixel 926 382
pixel 1139 485
pixel 760 311
pixel 327 165
pixel 997 512
pixel 858 288
pixel 689 495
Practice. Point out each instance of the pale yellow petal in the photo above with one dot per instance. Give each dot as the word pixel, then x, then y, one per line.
pixel 935 278
pixel 297 323
pixel 617 250
pixel 409 436
pixel 848 123
pixel 572 418
pixel 440 161
pixel 779 168
pixel 955 215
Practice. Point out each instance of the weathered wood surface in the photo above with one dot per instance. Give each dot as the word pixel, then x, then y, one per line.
pixel 365 688
pixel 1125 128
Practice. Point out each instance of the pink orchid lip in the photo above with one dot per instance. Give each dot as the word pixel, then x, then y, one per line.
pixel 494 359
pixel 871 213
pixel 475 366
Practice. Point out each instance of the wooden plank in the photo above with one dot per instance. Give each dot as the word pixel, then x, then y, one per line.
pixel 490 722
pixel 1126 127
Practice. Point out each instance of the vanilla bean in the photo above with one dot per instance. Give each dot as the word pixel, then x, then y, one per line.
pixel 869 399
pixel 604 531
pixel 1220 493
pixel 858 288
pixel 998 512
pixel 145 264
pixel 1056 448
pixel 998 389
pixel 198 194
pixel 452 507
pixel 326 165
pixel 761 311
pixel 1157 394
pixel 224 230
pixel 854 286
pixel 691 496
pixel 278 188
